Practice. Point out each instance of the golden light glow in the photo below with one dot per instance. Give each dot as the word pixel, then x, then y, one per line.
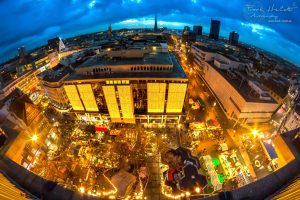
pixel 254 132
pixel 73 97
pixel 87 97
pixel 111 102
pixel 81 189
pixel 176 95
pixel 34 138
pixel 156 97
pixel 197 189
pixel 126 101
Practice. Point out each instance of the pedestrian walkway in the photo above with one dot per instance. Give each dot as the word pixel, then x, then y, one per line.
pixel 238 142
pixel 153 188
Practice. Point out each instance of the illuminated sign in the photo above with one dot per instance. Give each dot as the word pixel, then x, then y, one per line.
pixel 156 97
pixel 111 102
pixel 73 97
pixel 126 101
pixel 176 95
pixel 87 97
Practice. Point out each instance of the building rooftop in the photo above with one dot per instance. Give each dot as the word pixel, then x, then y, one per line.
pixel 205 48
pixel 159 58
pixel 242 85
pixel 57 75
pixel 151 58
pixel 280 89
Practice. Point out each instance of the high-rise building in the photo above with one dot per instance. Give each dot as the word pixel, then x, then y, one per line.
pixel 155 24
pixel 197 30
pixel 128 86
pixel 186 30
pixel 214 29
pixel 233 38
pixel 109 31
pixel 187 35
pixel 56 44
pixel 22 53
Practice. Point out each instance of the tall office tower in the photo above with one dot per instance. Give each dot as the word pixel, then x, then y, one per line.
pixel 197 30
pixel 155 24
pixel 187 28
pixel 22 53
pixel 109 32
pixel 233 38
pixel 56 44
pixel 214 29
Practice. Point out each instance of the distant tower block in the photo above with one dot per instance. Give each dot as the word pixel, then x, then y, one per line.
pixel 155 24
pixel 22 53
pixel 233 38
pixel 109 32
pixel 214 29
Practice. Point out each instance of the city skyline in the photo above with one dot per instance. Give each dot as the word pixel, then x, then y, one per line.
pixel 73 18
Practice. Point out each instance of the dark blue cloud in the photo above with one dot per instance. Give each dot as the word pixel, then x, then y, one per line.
pixel 32 22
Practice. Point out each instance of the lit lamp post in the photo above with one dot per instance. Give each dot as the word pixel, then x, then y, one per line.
pixel 254 132
pixel 33 138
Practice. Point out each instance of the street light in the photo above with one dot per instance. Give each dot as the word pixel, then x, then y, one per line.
pixel 34 138
pixel 254 132
pixel 81 189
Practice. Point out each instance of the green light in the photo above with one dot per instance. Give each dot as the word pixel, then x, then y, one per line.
pixel 215 161
pixel 221 178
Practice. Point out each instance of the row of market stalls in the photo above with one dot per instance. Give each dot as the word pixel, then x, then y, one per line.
pixel 210 124
pixel 233 167
pixel 210 165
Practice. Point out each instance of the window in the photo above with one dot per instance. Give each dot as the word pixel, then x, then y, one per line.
pixel 138 68
pixel 148 68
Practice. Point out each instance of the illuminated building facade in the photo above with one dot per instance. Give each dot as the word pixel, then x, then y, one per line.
pixel 52 83
pixel 148 88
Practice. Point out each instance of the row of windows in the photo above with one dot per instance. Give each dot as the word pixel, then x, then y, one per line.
pixel 117 82
pixel 150 68
pixel 102 70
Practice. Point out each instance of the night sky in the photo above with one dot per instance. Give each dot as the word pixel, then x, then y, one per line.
pixel 273 25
